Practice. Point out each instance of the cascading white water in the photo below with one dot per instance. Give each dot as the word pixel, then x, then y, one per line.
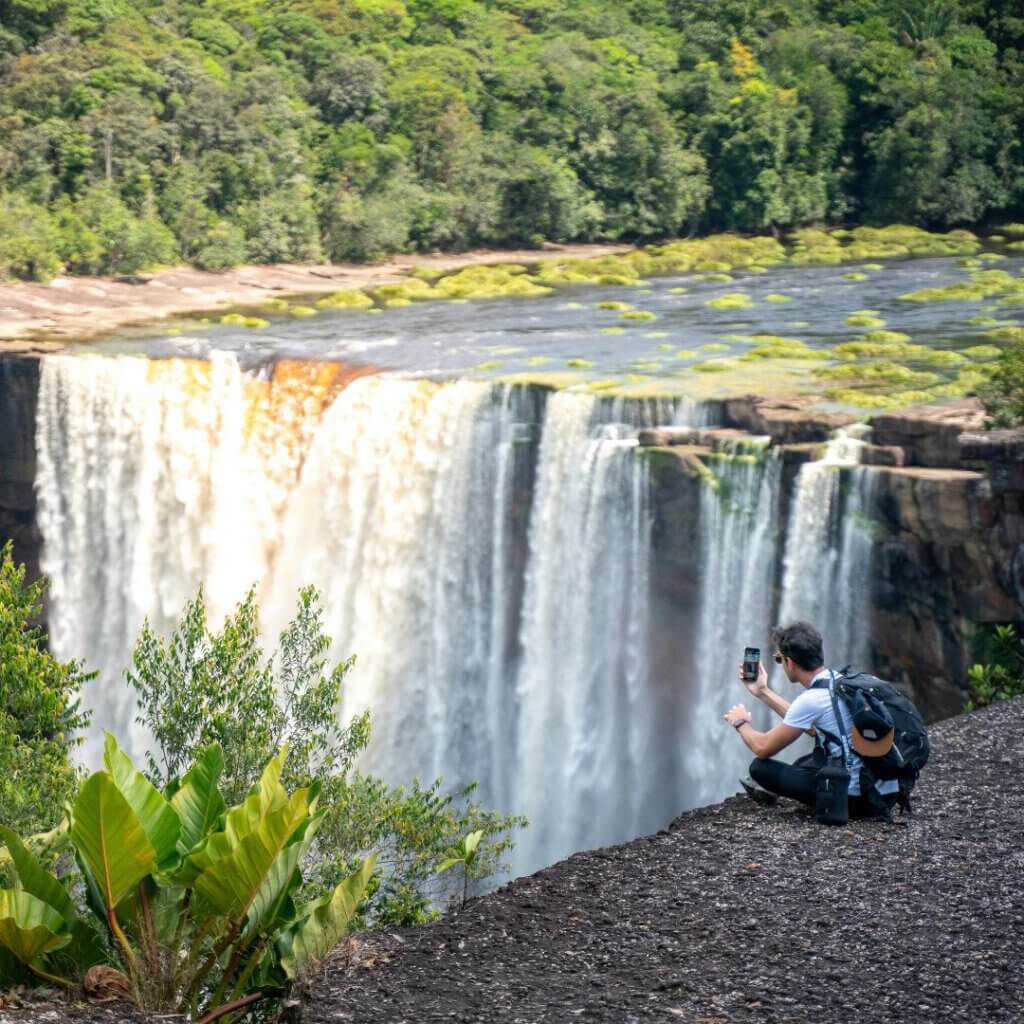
pixel 827 560
pixel 495 591
pixel 739 517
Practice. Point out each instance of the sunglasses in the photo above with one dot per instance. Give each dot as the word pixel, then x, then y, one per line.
pixel 778 658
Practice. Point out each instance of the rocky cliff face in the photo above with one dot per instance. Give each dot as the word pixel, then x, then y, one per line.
pixel 19 385
pixel 948 524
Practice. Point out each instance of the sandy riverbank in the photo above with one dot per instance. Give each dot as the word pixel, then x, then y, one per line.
pixel 43 317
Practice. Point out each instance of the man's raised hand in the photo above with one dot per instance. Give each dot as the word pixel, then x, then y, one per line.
pixel 759 685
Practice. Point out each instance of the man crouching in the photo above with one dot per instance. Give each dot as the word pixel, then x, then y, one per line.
pixel 800 652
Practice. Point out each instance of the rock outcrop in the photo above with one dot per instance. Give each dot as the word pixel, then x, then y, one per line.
pixel 19 385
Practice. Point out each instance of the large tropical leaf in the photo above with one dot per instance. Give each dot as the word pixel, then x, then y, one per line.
pixel 158 818
pixel 35 879
pixel 198 801
pixel 28 926
pixel 231 884
pixel 110 839
pixel 325 924
pixel 265 796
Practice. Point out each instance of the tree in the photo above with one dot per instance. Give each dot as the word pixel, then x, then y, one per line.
pixel 40 715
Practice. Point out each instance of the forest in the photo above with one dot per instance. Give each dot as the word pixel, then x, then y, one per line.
pixel 136 133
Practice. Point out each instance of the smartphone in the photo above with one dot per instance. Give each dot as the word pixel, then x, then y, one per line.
pixel 751 660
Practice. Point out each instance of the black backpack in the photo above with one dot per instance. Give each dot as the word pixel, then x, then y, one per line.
pixel 910 749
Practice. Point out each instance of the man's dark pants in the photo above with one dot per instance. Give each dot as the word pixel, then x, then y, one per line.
pixel 799 781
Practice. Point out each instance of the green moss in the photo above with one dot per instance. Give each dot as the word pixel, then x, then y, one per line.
pixel 981 321
pixel 755 269
pixel 646 366
pixel 714 346
pixel 993 257
pixel 406 290
pixel 639 314
pixel 861 399
pixel 492 365
pixel 397 303
pixel 579 364
pixel 855 275
pixel 678 291
pixel 794 350
pixel 714 366
pixel 603 385
pixel 731 300
pixel 302 311
pixel 613 330
pixel 983 352
pixel 236 319
pixel 718 277
pixel 665 348
pixel 777 297
pixel 574 305
pixel 862 320
pixel 277 306
pixel 346 299
pixel 883 373
pixel 873 266
pixel 1011 229
pixel 969 261
pixel 658 334
pixel 614 305
pixel 1007 333
pixel 686 353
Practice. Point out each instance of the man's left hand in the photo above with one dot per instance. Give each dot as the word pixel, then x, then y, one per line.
pixel 736 714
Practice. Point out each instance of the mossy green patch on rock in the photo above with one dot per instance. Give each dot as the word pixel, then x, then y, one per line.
pixel 302 311
pixel 276 305
pixel 240 320
pixel 777 297
pixel 639 314
pixel 714 346
pixel 615 305
pixel 579 364
pixel 855 275
pixel 731 300
pixel 715 366
pixel 613 330
pixel 491 365
pixel 1008 332
pixel 349 298
pixel 883 373
pixel 983 352
pixel 863 320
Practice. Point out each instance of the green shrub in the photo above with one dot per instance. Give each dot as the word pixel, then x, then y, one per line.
pixel 1001 676
pixel 1003 394
pixel 193 902
pixel 201 687
pixel 39 710
pixel 28 241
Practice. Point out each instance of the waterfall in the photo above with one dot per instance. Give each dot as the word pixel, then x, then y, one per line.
pixel 828 552
pixel 483 549
pixel 739 517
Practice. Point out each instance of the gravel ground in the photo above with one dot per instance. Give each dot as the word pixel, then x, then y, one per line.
pixel 734 913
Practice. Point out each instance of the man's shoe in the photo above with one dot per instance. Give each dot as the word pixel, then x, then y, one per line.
pixel 757 793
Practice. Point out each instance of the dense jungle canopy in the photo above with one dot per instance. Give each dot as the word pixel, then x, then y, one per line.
pixel 139 132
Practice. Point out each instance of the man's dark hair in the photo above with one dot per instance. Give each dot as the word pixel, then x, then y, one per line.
pixel 801 642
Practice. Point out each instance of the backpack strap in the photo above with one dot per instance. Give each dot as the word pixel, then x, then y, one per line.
pixel 844 741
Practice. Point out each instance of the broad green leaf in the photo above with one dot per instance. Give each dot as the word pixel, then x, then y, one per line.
pixel 110 838
pixel 35 879
pixel 265 796
pixel 283 878
pixel 158 818
pixel 448 864
pixel 230 885
pixel 323 928
pixel 198 801
pixel 28 926
pixel 471 842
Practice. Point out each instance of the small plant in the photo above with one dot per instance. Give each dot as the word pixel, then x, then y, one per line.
pixel 189 905
pixel 1003 395
pixel 1001 676
pixel 463 855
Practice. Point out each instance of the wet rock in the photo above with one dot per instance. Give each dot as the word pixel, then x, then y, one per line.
pixel 19 385
pixel 929 434
pixel 791 419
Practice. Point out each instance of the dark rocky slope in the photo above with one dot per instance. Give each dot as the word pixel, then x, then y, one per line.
pixel 735 913
pixel 739 912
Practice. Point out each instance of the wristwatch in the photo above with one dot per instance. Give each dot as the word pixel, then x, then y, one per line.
pixel 741 722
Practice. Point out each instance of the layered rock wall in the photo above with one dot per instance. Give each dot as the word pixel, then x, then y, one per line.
pixel 947 521
pixel 19 386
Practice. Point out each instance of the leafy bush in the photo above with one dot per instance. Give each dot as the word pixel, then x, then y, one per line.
pixel 1001 676
pixel 28 241
pixel 1003 395
pixel 39 710
pixel 201 687
pixel 195 903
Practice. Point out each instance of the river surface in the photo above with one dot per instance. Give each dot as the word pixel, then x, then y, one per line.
pixel 491 339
